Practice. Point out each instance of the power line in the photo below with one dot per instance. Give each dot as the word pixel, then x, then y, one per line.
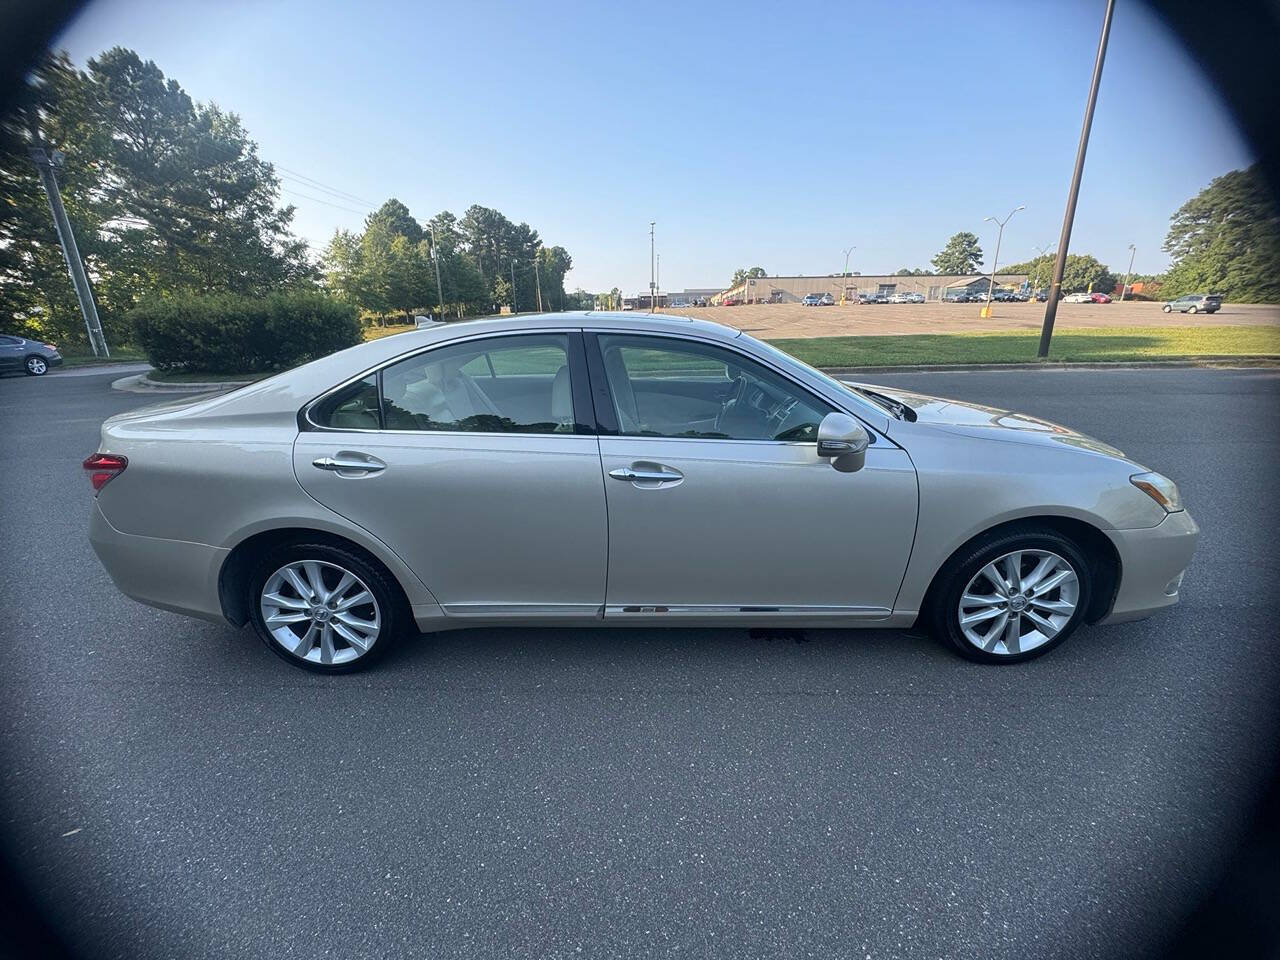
pixel 336 195
pixel 324 186
pixel 298 193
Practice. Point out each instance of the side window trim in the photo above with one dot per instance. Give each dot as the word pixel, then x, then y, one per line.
pixel 602 393
pixel 579 384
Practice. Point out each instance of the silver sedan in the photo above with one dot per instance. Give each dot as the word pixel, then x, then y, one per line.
pixel 624 469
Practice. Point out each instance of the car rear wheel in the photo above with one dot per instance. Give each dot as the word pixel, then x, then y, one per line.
pixel 1193 309
pixel 324 608
pixel 1012 597
pixel 37 366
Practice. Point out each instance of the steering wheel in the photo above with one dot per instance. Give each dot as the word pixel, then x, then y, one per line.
pixel 735 397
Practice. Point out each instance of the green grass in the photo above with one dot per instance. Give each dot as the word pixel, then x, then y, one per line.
pixel 376 333
pixel 1114 345
pixel 118 355
pixel 188 376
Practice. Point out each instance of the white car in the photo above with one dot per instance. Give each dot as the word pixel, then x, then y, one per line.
pixel 1077 298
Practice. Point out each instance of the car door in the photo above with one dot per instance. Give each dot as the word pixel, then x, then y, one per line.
pixel 475 463
pixel 739 516
pixel 10 353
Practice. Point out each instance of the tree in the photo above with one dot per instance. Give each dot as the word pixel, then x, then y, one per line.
pixel 961 255
pixel 1083 272
pixel 394 216
pixel 1226 240
pixel 918 272
pixel 744 274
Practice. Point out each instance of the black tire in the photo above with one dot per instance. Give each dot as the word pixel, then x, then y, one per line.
pixel 942 616
pixel 1167 309
pixel 392 606
pixel 35 366
pixel 1193 309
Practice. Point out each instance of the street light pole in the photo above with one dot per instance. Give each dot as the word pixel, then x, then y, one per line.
pixel 1125 286
pixel 658 276
pixel 845 274
pixel 514 308
pixel 986 311
pixel 1060 265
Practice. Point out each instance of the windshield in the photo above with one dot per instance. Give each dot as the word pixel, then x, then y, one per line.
pixel 893 407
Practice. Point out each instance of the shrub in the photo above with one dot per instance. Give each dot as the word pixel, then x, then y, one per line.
pixel 225 333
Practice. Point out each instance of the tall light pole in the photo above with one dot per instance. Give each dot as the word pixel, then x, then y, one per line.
pixel 653 269
pixel 658 275
pixel 1060 265
pixel 435 257
pixel 986 311
pixel 514 308
pixel 844 282
pixel 1125 286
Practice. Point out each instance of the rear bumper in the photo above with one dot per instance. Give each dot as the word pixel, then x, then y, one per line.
pixel 1152 562
pixel 54 361
pixel 173 575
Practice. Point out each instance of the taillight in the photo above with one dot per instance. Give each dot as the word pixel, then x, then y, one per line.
pixel 104 467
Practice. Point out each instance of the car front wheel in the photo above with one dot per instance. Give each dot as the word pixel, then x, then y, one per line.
pixel 1012 597
pixel 37 366
pixel 324 608
pixel 1167 309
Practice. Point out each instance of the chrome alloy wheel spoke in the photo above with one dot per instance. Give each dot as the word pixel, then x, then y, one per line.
pixel 320 612
pixel 1018 601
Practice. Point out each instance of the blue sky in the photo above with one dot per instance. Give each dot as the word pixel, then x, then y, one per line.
pixel 887 126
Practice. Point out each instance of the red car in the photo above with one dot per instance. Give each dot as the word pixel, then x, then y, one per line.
pixel 1099 298
pixel 731 302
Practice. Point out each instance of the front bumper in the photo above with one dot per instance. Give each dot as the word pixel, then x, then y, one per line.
pixel 1152 561
pixel 173 575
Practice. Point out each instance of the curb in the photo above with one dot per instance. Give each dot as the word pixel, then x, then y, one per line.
pixel 1206 362
pixel 142 383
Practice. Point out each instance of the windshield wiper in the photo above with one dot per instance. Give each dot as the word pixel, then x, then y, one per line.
pixel 896 407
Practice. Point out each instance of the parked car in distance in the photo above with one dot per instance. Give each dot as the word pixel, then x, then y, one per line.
pixel 1042 296
pixel 726 466
pixel 1099 298
pixel 812 299
pixel 1195 303
pixel 1004 296
pixel 731 301
pixel 898 298
pixel 1077 298
pixel 32 357
pixel 866 298
pixel 915 297
pixel 826 300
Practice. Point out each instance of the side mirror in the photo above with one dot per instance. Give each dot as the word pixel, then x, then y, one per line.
pixel 843 440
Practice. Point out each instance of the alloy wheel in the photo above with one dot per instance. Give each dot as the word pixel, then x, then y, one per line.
pixel 37 366
pixel 1018 602
pixel 320 612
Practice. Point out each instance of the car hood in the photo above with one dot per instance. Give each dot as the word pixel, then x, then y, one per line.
pixel 991 423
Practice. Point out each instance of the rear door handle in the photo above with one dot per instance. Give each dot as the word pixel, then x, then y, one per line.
pixel 646 473
pixel 346 462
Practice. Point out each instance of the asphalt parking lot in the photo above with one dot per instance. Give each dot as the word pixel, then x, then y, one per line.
pixel 174 789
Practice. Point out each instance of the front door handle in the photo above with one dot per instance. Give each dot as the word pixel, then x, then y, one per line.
pixel 346 462
pixel 651 473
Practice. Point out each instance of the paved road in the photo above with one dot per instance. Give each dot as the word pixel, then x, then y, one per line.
pixel 527 793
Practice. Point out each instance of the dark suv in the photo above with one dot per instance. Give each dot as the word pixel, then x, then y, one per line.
pixel 1195 303
pixel 31 356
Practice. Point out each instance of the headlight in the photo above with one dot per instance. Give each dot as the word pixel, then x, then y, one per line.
pixel 1160 489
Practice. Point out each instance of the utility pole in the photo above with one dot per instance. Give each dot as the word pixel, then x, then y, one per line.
pixel 658 276
pixel 1060 265
pixel 538 282
pixel 46 161
pixel 514 308
pixel 653 270
pixel 1125 286
pixel 435 257
pixel 986 311
pixel 1041 251
pixel 844 282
